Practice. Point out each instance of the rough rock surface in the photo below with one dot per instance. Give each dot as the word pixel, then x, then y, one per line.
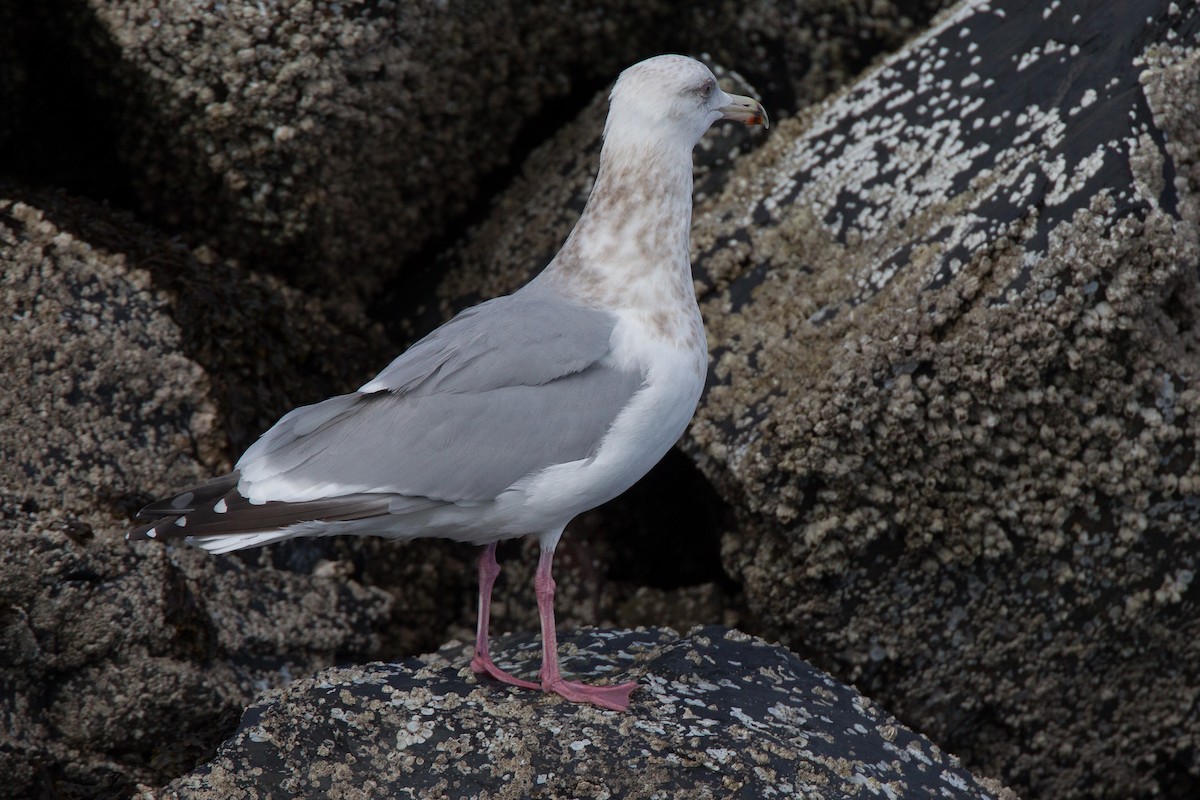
pixel 953 397
pixel 953 315
pixel 718 714
pixel 120 665
pixel 333 140
pixel 264 347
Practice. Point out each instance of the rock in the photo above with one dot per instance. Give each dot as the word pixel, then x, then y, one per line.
pixel 97 384
pixel 953 317
pixel 718 714
pixel 122 664
pixel 333 142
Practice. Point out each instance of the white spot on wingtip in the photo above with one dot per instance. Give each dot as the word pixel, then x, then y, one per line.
pixel 221 507
pixel 150 534
pixel 181 522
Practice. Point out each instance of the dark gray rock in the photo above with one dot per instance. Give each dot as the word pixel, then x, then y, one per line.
pixel 953 392
pixel 718 714
pixel 953 316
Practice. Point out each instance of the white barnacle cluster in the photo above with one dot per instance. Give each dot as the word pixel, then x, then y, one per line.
pixel 924 130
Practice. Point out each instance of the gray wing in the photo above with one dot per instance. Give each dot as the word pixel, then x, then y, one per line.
pixel 527 338
pixel 505 389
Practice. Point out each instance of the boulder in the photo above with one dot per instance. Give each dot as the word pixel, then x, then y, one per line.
pixel 122 664
pixel 953 317
pixel 718 714
pixel 336 143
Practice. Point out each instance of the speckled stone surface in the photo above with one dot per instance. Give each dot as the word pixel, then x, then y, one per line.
pixel 334 140
pixel 718 714
pixel 262 346
pixel 953 318
pixel 122 664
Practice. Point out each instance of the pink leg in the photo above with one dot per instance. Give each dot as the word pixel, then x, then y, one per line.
pixel 614 697
pixel 481 663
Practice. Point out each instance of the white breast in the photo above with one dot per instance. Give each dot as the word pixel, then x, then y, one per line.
pixel 641 434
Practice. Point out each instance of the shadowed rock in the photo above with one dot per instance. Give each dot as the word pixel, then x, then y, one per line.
pixel 953 317
pixel 333 142
pixel 120 665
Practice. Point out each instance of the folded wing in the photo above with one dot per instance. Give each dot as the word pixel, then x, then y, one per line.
pixel 502 391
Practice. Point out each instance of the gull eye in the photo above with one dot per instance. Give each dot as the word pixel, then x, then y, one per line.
pixel 706 89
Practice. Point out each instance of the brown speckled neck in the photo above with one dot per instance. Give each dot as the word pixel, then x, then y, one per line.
pixel 631 243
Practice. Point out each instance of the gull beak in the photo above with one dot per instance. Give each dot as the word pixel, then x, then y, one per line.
pixel 746 110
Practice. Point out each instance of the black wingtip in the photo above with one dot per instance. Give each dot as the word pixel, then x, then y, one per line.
pixel 161 528
pixel 189 499
pixel 140 533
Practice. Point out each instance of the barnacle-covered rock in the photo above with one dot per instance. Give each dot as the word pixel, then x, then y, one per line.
pixel 953 317
pixel 718 714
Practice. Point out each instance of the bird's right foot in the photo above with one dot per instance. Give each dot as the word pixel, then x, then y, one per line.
pixel 615 697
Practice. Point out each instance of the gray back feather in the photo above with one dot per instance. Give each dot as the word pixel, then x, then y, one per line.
pixel 505 389
pixel 528 338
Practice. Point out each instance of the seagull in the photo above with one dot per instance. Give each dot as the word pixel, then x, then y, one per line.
pixel 519 413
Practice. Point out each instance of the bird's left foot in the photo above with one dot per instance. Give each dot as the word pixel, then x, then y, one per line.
pixel 612 697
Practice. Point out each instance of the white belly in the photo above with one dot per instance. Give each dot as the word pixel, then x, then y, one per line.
pixel 640 436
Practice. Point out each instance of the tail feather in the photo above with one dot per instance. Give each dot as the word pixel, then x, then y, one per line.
pixel 220 521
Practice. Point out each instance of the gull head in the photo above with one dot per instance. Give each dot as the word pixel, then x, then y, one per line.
pixel 673 99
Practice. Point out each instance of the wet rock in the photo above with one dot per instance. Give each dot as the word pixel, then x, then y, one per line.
pixel 953 317
pixel 718 714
